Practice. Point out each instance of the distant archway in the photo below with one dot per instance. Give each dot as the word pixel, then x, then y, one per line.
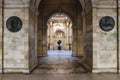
pixel 59 28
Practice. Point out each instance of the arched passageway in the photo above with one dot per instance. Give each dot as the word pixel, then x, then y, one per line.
pixel 63 21
pixel 90 41
pixel 74 12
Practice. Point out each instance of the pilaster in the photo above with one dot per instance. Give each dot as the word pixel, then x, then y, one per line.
pixel 104 56
pixel 42 42
pixel 119 30
pixel 1 34
pixel 16 45
pixel 74 43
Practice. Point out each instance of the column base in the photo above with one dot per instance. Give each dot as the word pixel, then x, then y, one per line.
pixel 43 55
pixel 119 71
pixel 75 55
pixel 33 68
pixel 104 70
pixel 0 71
pixel 9 70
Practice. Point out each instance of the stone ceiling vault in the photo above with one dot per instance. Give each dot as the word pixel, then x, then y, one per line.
pixel 34 4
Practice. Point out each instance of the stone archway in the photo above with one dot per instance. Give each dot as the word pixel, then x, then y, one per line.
pixel 96 51
pixel 52 7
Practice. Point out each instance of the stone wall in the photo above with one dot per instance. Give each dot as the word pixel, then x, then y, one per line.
pixel 16 50
pixel 87 34
pixel 40 45
pixel 104 42
pixel 1 23
pixel 42 36
pixel 79 34
pixel 32 40
pixel 119 34
pixel 77 28
pixel 88 39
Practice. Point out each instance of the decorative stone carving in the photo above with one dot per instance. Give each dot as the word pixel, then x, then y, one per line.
pixel 107 23
pixel 14 24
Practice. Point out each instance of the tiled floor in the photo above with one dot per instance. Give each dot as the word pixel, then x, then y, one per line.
pixel 59 57
pixel 60 61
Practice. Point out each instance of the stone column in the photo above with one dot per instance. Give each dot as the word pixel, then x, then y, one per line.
pixel 84 36
pixel 67 38
pixel 94 40
pixel 80 42
pixel 119 31
pixel 36 37
pixel 44 41
pixel 77 42
pixel 40 48
pixel 1 33
pixel 74 42
pixel 70 38
pixel 51 47
pixel 48 38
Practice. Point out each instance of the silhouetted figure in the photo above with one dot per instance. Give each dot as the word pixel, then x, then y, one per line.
pixel 59 42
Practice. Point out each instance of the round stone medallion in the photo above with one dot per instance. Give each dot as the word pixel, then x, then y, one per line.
pixel 107 23
pixel 14 24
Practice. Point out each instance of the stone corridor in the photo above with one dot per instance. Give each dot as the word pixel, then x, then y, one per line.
pixel 60 61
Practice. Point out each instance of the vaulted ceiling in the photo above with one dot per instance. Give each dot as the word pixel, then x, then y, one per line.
pixel 35 3
pixel 48 7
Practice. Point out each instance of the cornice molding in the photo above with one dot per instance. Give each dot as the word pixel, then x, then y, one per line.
pixel 16 3
pixel 104 4
pixel 16 6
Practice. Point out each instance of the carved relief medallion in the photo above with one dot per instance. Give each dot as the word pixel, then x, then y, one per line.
pixel 14 24
pixel 107 23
